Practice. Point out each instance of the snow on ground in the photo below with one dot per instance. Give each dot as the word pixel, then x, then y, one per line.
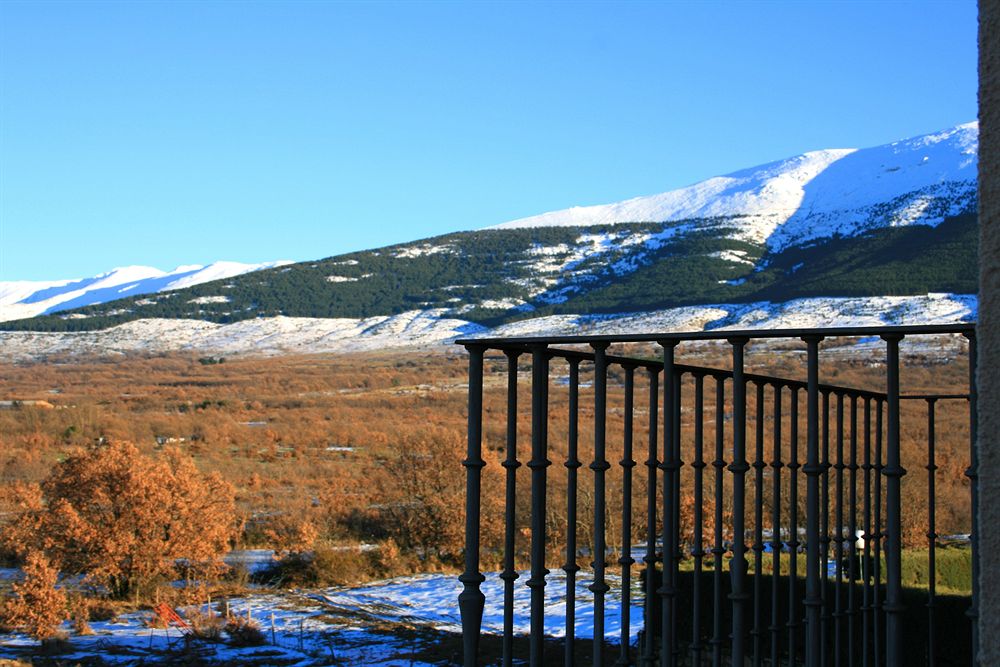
pixel 280 335
pixel 356 626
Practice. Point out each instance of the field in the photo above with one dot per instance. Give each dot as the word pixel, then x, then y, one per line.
pixel 355 460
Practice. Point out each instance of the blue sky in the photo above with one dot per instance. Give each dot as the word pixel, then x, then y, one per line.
pixel 177 133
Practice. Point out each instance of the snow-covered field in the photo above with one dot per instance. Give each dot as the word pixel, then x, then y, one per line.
pixel 392 622
pixel 282 335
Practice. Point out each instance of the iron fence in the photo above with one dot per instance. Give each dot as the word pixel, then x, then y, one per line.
pixel 841 602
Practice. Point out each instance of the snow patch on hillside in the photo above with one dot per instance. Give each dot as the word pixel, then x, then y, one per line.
pixel 815 195
pixel 283 335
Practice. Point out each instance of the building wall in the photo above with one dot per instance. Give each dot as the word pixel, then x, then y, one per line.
pixel 988 333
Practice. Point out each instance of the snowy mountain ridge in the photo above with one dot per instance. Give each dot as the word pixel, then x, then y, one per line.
pixel 815 195
pixel 27 298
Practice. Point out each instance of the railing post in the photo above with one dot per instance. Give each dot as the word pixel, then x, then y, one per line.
pixel 776 466
pixel 814 601
pixel 600 465
pixel 793 525
pixel 894 540
pixel 538 464
pixel 625 560
pixel 510 464
pixel 667 588
pixel 471 601
pixel 572 466
pixel 739 468
pixel 648 656
pixel 699 547
pixel 718 548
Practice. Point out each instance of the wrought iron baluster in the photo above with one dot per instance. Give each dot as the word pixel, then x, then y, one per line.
pixel 824 531
pixel 852 531
pixel 838 543
pixel 698 552
pixel 667 590
pixel 600 465
pixel 625 560
pixel 652 463
pixel 894 541
pixel 510 464
pixel 739 468
pixel 793 525
pixel 572 471
pixel 867 566
pixel 538 465
pixel 471 600
pixel 758 530
pixel 776 466
pixel 718 550
pixel 675 561
pixel 813 470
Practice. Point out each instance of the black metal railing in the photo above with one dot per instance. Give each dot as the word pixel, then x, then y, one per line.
pixel 774 607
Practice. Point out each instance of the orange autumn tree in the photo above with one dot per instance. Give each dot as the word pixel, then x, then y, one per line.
pixel 37 606
pixel 124 519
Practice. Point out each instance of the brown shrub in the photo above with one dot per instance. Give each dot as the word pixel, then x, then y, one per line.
pixel 37 606
pixel 123 519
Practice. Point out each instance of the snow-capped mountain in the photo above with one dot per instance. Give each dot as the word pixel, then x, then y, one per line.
pixel 812 196
pixel 26 298
pixel 884 235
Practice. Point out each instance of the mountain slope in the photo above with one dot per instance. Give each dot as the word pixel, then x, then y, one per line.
pixel 814 195
pixel 898 219
pixel 20 299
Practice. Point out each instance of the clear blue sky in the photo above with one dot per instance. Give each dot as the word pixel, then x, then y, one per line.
pixel 185 132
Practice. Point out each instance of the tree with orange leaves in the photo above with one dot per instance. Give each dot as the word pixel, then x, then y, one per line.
pixel 37 606
pixel 124 519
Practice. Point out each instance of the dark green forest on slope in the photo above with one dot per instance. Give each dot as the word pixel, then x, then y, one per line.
pixel 473 269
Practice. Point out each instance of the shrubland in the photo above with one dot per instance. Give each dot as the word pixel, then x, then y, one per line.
pixel 349 466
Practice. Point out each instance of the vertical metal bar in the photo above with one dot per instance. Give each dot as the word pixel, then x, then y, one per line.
pixel 813 470
pixel 718 550
pixel 625 560
pixel 472 600
pixel 675 560
pixel 838 545
pixel 877 639
pixel 776 466
pixel 572 471
pixel 739 468
pixel 600 465
pixel 793 526
pixel 852 531
pixel 649 634
pixel 510 464
pixel 538 465
pixel 699 545
pixel 894 543
pixel 931 533
pixel 667 591
pixel 866 564
pixel 824 531
pixel 758 530
pixel 973 474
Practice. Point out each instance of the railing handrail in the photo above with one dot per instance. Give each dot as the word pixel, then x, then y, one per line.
pixel 967 328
